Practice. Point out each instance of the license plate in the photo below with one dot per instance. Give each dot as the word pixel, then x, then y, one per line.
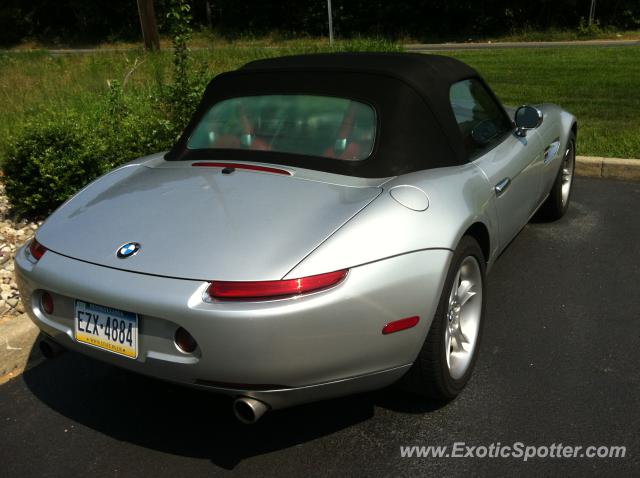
pixel 106 328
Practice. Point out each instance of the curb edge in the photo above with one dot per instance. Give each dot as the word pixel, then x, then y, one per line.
pixel 608 168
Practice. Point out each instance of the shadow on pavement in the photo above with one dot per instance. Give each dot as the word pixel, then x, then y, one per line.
pixel 187 422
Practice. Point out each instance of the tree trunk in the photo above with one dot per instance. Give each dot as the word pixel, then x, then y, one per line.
pixel 148 25
pixel 330 14
pixel 207 6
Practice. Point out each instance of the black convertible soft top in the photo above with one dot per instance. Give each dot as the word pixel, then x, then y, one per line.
pixel 410 92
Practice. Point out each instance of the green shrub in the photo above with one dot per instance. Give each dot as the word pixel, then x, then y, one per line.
pixel 181 97
pixel 56 154
pixel 130 127
pixel 48 163
pixel 589 30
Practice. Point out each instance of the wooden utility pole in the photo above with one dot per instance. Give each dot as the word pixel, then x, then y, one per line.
pixel 148 25
pixel 207 7
pixel 592 11
pixel 330 14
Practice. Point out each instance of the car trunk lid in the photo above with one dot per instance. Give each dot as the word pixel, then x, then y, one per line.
pixel 198 223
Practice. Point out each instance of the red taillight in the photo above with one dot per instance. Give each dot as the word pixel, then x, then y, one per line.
pixel 36 249
pixel 249 167
pixel 402 324
pixel 47 303
pixel 273 288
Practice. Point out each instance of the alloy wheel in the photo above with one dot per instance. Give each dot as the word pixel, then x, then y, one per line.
pixel 463 317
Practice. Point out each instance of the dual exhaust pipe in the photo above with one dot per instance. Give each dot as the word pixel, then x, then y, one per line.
pixel 249 410
pixel 246 409
pixel 50 349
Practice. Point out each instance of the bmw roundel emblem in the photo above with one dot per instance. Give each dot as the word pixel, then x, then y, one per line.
pixel 127 250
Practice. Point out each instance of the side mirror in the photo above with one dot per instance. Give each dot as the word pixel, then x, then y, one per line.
pixel 526 118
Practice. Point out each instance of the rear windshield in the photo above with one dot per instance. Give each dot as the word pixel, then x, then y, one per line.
pixel 323 126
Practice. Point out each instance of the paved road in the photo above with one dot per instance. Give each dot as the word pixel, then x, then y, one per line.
pixel 426 47
pixel 414 47
pixel 559 364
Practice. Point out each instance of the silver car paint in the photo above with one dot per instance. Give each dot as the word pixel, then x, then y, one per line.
pixel 517 161
pixel 557 125
pixel 321 345
pixel 320 338
pixel 386 228
pixel 458 198
pixel 196 223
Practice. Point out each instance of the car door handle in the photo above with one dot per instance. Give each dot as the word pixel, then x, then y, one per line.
pixel 502 186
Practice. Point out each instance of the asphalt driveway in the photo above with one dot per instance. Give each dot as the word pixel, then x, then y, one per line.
pixel 559 364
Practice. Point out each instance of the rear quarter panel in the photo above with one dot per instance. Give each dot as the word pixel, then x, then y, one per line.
pixel 458 197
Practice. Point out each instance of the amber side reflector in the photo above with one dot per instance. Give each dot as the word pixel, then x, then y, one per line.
pixel 402 324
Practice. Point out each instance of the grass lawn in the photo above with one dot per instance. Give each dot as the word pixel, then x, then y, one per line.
pixel 35 83
pixel 204 39
pixel 599 85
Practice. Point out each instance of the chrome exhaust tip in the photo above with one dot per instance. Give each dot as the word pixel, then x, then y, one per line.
pixel 50 349
pixel 249 410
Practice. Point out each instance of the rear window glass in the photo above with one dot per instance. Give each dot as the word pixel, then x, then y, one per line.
pixel 323 126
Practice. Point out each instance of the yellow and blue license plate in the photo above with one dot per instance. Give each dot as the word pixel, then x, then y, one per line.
pixel 107 328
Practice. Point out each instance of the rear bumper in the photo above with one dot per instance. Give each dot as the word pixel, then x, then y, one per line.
pixel 282 352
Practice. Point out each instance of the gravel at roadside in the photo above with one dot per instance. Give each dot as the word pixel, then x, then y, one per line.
pixel 17 332
pixel 13 234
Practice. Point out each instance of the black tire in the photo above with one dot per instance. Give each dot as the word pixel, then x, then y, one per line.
pixel 554 208
pixel 430 376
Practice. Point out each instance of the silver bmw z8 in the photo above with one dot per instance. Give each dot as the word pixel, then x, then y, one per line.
pixel 322 227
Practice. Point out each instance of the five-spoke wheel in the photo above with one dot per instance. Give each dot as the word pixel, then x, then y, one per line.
pixel 447 357
pixel 463 317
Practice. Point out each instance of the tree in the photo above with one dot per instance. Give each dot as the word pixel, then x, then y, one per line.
pixel 148 25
